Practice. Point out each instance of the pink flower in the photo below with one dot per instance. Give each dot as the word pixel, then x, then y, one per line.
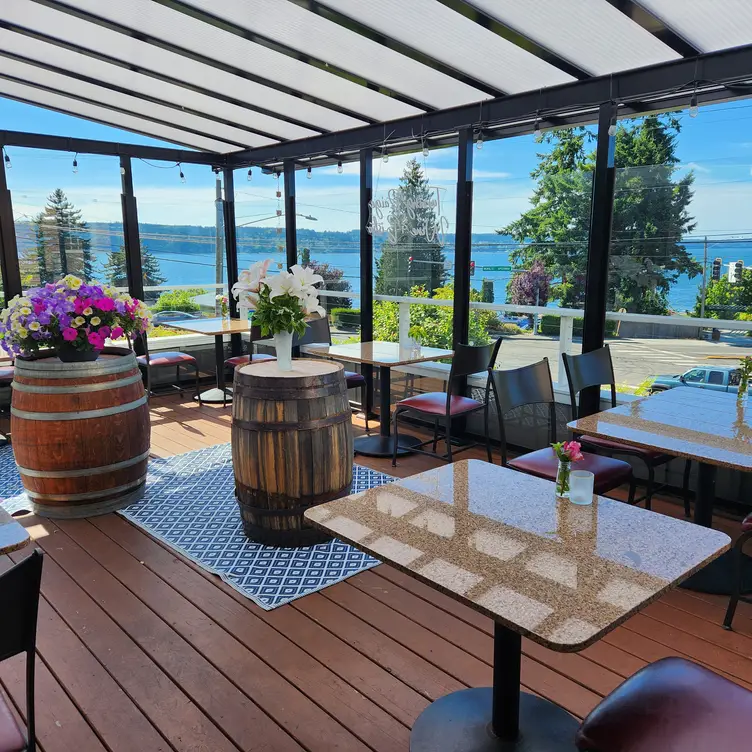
pixel 104 331
pixel 69 334
pixel 96 340
pixel 105 304
pixel 574 450
pixel 117 332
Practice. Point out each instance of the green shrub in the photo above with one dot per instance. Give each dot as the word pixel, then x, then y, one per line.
pixel 178 300
pixel 549 325
pixel 346 318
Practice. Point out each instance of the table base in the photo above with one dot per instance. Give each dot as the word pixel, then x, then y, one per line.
pixel 461 722
pixel 377 445
pixel 215 395
pixel 719 576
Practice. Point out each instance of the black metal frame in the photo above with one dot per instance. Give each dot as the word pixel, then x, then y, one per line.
pixel 131 235
pixel 736 593
pixel 366 270
pixel 291 221
pixel 9 267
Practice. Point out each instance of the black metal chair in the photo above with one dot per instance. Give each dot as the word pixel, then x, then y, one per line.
pixel 596 368
pixel 736 592
pixel 532 385
pixel 318 332
pixel 242 360
pixel 19 594
pixel 467 360
pixel 172 359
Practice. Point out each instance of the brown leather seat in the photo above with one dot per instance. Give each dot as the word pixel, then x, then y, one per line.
pixel 672 705
pixel 435 403
pixel 747 523
pixel 242 360
pixel 11 736
pixel 166 359
pixel 616 446
pixel 543 463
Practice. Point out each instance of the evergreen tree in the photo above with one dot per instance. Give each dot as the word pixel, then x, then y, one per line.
pixel 115 270
pixel 650 216
pixel 63 245
pixel 408 257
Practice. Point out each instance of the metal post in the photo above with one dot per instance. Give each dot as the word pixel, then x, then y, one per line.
pixel 704 277
pixel 9 267
pixel 291 226
pixel 463 238
pixel 596 284
pixel 131 240
pixel 366 267
pixel 219 240
pixel 231 250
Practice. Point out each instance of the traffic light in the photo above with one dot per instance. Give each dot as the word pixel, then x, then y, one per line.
pixel 735 272
pixel 472 268
pixel 716 272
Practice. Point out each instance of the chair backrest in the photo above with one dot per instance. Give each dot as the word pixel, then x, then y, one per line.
pixel 594 368
pixel 317 332
pixel 470 359
pixel 518 387
pixel 19 595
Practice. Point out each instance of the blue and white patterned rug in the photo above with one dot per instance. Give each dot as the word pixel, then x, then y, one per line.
pixel 190 505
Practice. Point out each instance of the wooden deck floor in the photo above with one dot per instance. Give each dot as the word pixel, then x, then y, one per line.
pixel 141 651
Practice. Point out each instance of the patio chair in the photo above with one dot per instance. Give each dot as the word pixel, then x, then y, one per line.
pixel 19 594
pixel 596 368
pixel 243 360
pixel 672 705
pixel 736 592
pixel 318 332
pixel 172 359
pixel 532 385
pixel 467 360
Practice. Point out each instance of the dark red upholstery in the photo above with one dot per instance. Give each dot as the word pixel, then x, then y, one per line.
pixel 242 360
pixel 353 379
pixel 11 736
pixel 434 403
pixel 673 705
pixel 747 524
pixel 6 374
pixel 167 359
pixel 609 473
pixel 616 446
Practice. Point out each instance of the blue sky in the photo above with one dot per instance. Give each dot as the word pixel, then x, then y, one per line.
pixel 717 145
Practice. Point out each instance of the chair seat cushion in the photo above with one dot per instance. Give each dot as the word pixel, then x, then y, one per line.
pixel 6 374
pixel 672 705
pixel 353 379
pixel 11 736
pixel 747 524
pixel 609 473
pixel 434 403
pixel 242 360
pixel 649 455
pixel 166 359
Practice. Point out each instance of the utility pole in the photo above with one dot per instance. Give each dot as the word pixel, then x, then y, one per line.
pixel 704 278
pixel 220 241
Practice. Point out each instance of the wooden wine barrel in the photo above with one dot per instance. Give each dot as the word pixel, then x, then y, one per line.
pixel 80 433
pixel 292 447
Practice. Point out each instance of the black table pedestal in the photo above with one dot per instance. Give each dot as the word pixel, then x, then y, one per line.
pixel 220 393
pixel 498 719
pixel 382 445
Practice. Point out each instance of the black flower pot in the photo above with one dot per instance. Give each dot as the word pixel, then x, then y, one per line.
pixel 69 354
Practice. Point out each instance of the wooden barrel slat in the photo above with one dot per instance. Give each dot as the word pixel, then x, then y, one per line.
pixel 76 465
pixel 292 447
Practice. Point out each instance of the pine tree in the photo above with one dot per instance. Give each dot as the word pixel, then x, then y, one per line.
pixel 115 270
pixel 63 245
pixel 408 257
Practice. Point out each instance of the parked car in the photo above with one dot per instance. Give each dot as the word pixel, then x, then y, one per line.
pixel 163 317
pixel 719 378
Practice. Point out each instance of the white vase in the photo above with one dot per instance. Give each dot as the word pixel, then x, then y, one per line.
pixel 283 346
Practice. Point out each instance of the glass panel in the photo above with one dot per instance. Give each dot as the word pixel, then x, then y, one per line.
pixel 205 39
pixel 149 57
pixel 590 33
pixel 116 119
pixel 66 222
pixel 313 35
pixel 706 25
pixel 456 41
pixel 130 80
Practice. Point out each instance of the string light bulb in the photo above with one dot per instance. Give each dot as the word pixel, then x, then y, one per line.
pixel 309 174
pixel 426 150
pixel 612 128
pixel 479 141
pixel 8 163
pixel 249 177
pixel 384 154
pixel 693 108
pixel 75 164
pixel 182 175
pixel 340 169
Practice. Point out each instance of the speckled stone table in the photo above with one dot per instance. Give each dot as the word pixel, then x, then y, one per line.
pixel 385 355
pixel 12 535
pixel 500 542
pixel 709 427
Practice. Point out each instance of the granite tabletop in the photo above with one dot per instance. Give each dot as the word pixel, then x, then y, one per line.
pixel 502 543
pixel 379 353
pixel 12 535
pixel 214 326
pixel 687 422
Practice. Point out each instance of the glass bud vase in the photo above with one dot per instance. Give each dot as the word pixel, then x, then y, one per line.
pixel 562 478
pixel 283 346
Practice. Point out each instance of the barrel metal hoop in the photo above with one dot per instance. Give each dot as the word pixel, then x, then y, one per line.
pixel 81 472
pixel 101 386
pixel 302 425
pixel 305 502
pixel 87 494
pixel 280 395
pixel 46 370
pixel 81 414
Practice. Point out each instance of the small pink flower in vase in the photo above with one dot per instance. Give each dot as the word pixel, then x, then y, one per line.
pixel 567 452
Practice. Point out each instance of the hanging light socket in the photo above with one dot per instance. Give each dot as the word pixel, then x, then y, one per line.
pixel 8 163
pixel 309 174
pixel 75 164
pixel 182 176
pixel 479 141
pixel 384 154
pixel 340 169
pixel 249 177
pixel 693 108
